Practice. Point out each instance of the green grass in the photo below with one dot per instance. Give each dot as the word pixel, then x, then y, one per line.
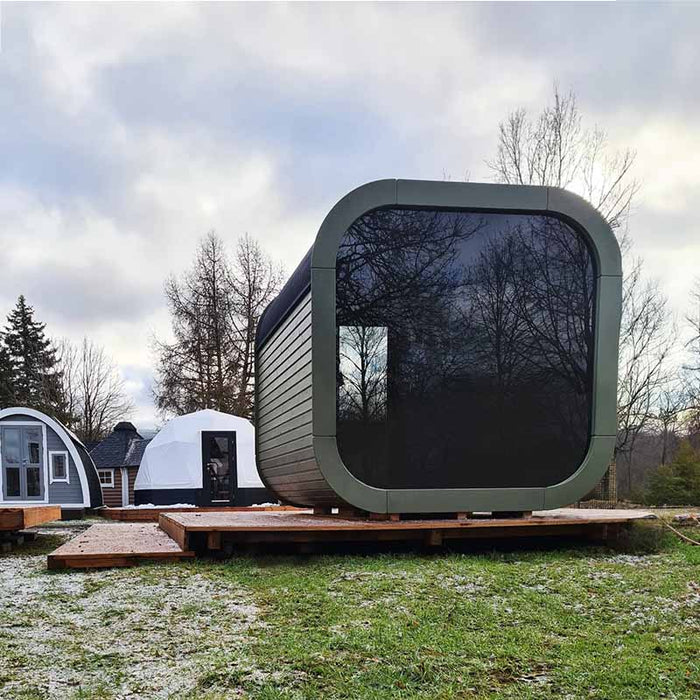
pixel 578 623
pixel 573 622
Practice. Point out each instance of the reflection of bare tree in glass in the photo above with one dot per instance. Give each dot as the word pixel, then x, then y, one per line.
pixel 498 326
pixel 532 291
pixel 490 338
pixel 362 390
pixel 399 260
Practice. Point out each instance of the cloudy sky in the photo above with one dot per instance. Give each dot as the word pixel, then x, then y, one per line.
pixel 130 130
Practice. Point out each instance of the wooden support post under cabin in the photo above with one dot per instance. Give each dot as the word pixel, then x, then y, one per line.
pixel 214 540
pixel 392 517
pixel 510 514
pixel 322 510
pixel 433 538
pixel 352 513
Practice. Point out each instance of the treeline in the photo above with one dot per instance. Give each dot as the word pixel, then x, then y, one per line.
pixel 658 407
pixel 214 310
pixel 77 384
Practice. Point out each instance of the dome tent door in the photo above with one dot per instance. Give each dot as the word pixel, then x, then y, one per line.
pixel 219 466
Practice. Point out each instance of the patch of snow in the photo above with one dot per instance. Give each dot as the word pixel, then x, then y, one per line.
pixel 147 632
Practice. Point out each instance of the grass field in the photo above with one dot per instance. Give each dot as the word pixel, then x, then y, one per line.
pixel 571 622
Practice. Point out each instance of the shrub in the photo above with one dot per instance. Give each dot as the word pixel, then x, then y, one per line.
pixel 677 483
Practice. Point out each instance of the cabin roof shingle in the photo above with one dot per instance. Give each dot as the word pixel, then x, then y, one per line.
pixel 123 447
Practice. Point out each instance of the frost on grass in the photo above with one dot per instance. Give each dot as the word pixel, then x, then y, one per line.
pixel 153 632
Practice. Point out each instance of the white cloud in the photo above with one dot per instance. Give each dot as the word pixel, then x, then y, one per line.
pixel 132 129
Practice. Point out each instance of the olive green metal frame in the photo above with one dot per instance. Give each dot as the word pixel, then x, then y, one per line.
pixel 472 197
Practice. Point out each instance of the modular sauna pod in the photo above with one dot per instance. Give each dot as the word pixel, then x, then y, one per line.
pixel 443 347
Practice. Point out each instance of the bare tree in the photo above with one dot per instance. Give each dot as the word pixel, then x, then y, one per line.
pixel 94 393
pixel 255 280
pixel 214 308
pixel 692 368
pixel 68 362
pixel 672 404
pixel 555 149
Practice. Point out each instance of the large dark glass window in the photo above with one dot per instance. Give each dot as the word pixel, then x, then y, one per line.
pixel 465 347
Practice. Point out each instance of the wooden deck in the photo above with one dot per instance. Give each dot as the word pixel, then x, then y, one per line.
pixel 179 534
pixel 116 544
pixel 13 518
pixel 151 514
pixel 209 531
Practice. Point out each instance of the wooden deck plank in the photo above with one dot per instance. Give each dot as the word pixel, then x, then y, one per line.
pixel 23 517
pixel 151 514
pixel 307 522
pixel 117 544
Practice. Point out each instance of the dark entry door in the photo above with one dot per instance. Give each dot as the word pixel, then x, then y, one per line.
pixel 219 466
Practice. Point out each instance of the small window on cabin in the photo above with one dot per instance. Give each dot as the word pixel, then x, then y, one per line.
pixel 106 477
pixel 59 466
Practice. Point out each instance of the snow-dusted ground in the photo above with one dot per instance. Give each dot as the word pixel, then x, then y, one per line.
pixel 151 632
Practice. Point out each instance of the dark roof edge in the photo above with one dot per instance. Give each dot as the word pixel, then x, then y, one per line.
pixel 294 290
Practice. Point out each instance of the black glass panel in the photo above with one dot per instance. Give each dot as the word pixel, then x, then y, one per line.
pixel 33 482
pixel 465 345
pixel 217 464
pixel 12 483
pixel 59 466
pixel 33 450
pixel 11 446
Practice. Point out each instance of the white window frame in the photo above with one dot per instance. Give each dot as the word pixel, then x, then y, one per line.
pixel 52 478
pixel 33 423
pixel 105 486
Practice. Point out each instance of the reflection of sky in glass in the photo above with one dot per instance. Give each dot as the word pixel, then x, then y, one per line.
pixel 362 355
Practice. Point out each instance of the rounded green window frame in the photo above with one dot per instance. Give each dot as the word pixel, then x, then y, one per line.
pixel 474 197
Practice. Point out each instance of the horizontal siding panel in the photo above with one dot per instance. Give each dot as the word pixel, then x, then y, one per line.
pixel 300 468
pixel 288 484
pixel 270 368
pixel 291 480
pixel 273 402
pixel 291 367
pixel 299 378
pixel 286 448
pixel 284 437
pixel 302 336
pixel 311 496
pixel 293 386
pixel 299 319
pixel 286 414
pixel 285 453
pixel 270 382
pixel 301 455
pixel 278 427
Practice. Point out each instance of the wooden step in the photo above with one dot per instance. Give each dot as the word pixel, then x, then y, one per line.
pixel 23 517
pixel 117 544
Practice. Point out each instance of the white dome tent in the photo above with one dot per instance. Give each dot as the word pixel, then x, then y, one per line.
pixel 203 458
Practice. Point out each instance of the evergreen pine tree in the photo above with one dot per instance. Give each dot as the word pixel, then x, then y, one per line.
pixel 32 360
pixel 7 387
